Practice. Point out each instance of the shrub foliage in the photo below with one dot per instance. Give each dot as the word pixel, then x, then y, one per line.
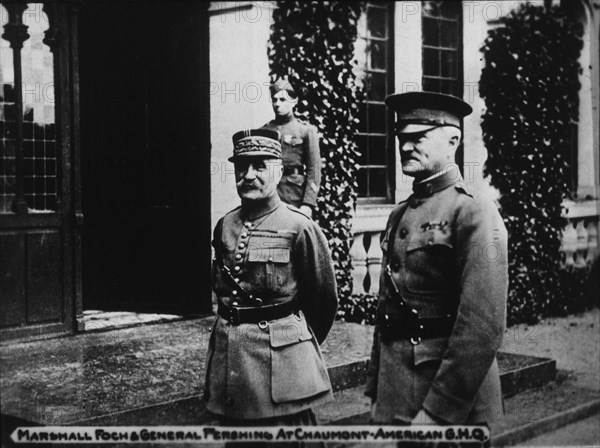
pixel 311 45
pixel 530 87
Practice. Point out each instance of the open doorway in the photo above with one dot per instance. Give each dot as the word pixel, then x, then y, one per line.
pixel 145 156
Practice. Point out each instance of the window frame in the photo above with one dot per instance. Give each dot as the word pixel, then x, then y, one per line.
pixel 390 160
pixel 459 157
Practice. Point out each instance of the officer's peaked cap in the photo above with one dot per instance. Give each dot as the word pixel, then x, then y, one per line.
pixel 284 84
pixel 264 143
pixel 423 111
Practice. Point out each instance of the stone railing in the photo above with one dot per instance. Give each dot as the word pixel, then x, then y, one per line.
pixel 579 243
pixel 366 262
pixel 366 253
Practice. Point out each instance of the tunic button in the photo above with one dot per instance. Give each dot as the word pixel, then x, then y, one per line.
pixel 229 402
pixel 395 266
pixel 234 292
pixel 238 257
pixel 430 242
pixel 270 259
pixel 244 235
pixel 248 225
pixel 237 269
pixel 403 233
pixel 242 245
pixel 235 303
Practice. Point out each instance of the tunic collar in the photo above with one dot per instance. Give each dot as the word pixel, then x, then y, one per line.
pixel 252 210
pixel 284 120
pixel 437 182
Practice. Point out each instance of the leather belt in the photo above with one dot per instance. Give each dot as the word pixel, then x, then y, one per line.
pixel 253 315
pixel 288 170
pixel 429 328
pixel 426 328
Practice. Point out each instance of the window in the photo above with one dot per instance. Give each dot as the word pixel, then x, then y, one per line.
pixel 36 150
pixel 374 51
pixel 442 52
pixel 442 47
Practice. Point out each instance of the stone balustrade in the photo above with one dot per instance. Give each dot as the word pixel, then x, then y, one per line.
pixel 579 245
pixel 366 262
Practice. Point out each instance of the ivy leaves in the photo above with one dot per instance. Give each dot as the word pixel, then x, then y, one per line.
pixel 312 45
pixel 530 86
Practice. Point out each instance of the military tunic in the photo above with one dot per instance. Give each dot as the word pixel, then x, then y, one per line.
pixel 257 371
pixel 300 148
pixel 448 256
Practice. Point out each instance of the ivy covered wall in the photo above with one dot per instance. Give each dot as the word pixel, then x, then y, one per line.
pixel 312 45
pixel 530 86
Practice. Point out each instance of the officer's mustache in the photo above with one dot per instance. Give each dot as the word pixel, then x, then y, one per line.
pixel 247 185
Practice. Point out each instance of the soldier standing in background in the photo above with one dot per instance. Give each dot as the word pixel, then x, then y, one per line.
pixel 277 300
pixel 441 313
pixel 300 151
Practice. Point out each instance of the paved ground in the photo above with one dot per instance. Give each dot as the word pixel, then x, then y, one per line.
pixel 71 379
pixel 583 433
pixel 65 380
pixel 95 320
pixel 573 341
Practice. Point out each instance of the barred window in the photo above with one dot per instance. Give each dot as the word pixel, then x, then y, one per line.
pixel 374 52
pixel 39 145
pixel 442 52
pixel 442 47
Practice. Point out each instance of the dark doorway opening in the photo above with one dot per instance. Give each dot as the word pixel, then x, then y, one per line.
pixel 145 156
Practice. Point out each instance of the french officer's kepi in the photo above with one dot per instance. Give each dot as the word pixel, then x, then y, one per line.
pixel 264 143
pixel 423 111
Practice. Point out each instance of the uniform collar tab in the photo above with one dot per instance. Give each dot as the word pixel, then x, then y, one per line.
pixel 435 184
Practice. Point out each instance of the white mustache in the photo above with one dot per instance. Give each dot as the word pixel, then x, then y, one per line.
pixel 244 184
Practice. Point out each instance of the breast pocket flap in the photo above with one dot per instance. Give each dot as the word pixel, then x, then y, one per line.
pixel 288 331
pixel 430 239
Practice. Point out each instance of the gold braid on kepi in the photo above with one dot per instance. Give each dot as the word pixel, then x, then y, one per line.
pixel 423 111
pixel 264 143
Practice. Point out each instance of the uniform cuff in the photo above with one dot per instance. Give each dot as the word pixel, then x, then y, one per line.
pixel 446 407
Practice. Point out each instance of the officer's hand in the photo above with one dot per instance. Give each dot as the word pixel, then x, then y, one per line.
pixel 306 210
pixel 372 416
pixel 423 418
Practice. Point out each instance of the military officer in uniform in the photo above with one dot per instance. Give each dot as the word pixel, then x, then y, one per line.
pixel 277 299
pixel 301 179
pixel 442 300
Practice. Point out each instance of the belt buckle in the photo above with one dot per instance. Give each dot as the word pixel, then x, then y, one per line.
pixel 418 328
pixel 234 316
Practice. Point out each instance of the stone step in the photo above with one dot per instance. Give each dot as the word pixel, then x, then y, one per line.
pixel 528 414
pixel 152 374
pixel 517 373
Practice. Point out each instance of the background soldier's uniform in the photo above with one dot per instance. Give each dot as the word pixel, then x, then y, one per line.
pixel 274 368
pixel 447 250
pixel 301 162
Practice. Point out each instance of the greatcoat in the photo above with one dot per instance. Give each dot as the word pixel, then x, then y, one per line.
pixel 275 368
pixel 448 256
